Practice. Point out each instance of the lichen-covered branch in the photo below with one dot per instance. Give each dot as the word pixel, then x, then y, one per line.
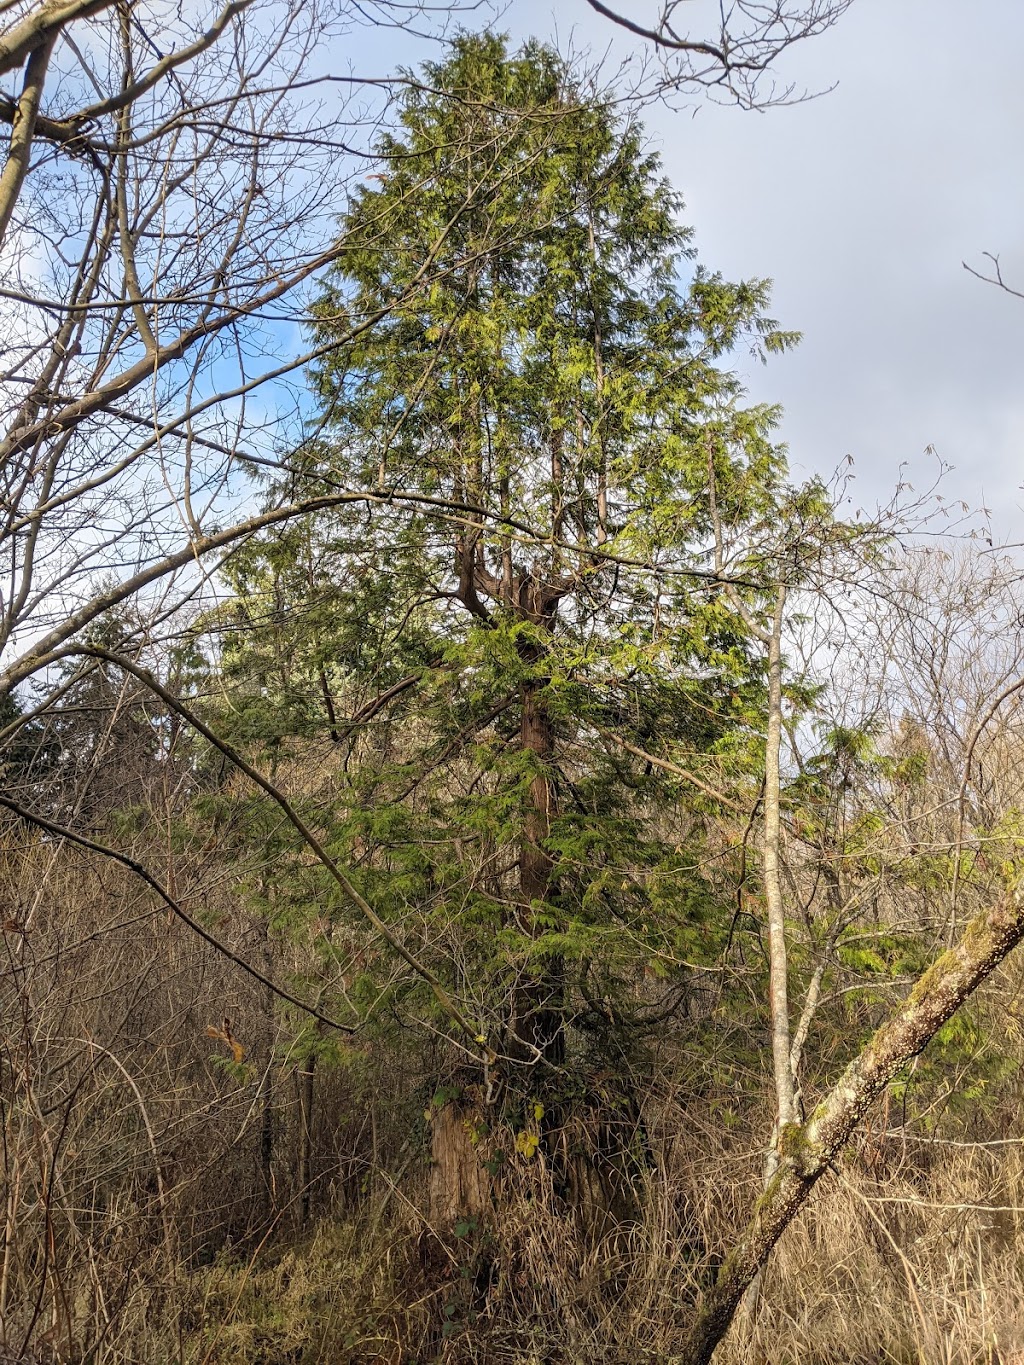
pixel 807 1151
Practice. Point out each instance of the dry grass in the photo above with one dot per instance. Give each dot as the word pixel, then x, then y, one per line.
pixel 920 1266
pixel 158 1241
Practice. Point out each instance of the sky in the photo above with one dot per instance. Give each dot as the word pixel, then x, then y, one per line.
pixel 862 206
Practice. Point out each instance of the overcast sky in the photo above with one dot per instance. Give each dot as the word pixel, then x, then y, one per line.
pixel 861 206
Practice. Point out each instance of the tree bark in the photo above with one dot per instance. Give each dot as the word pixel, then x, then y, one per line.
pixel 306 1076
pixel 785 1088
pixel 460 1184
pixel 805 1153
pixel 778 984
pixel 23 126
pixel 537 1019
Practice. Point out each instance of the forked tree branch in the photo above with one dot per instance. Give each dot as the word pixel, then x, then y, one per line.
pixel 996 277
pixel 807 1151
pixel 40 26
pixel 660 36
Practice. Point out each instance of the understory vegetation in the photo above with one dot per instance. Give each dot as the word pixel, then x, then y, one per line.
pixel 529 882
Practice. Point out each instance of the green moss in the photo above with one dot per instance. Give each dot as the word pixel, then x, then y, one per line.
pixel 792 1139
pixel 800 1153
pixel 930 978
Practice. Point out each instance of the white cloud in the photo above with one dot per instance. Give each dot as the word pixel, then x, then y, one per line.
pixel 862 205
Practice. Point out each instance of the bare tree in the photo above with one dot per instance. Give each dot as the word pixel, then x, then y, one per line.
pixel 938 658
pixel 172 181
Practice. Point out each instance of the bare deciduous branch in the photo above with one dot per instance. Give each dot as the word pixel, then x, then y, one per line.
pixel 750 39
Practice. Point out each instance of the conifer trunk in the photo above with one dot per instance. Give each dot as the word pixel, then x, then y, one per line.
pixel 460 1187
pixel 538 1024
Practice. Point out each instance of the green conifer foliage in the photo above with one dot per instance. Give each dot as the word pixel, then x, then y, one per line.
pixel 528 604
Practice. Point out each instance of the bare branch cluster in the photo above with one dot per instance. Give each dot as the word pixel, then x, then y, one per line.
pixel 171 184
pixel 731 48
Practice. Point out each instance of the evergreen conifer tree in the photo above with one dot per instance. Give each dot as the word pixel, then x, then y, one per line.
pixel 530 601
